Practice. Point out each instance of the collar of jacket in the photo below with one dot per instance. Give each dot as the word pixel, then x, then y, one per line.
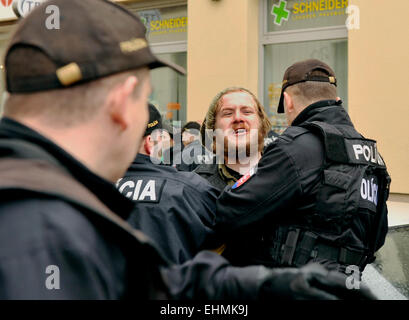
pixel 35 145
pixel 207 168
pixel 225 174
pixel 143 163
pixel 142 159
pixel 329 111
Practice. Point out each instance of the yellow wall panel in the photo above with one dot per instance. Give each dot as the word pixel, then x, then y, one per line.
pixel 379 82
pixel 222 50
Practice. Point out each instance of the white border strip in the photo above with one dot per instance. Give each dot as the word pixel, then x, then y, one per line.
pixel 169 47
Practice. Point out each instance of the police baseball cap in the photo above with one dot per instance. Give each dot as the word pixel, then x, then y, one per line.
pixel 192 125
pixel 155 120
pixel 94 39
pixel 302 72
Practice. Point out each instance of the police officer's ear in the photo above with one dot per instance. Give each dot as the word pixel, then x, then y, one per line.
pixel 119 102
pixel 288 103
pixel 147 145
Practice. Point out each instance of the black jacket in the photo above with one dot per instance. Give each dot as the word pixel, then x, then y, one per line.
pixel 40 231
pixel 175 209
pixel 284 191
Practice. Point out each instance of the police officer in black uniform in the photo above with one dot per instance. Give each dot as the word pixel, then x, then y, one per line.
pixel 193 153
pixel 271 137
pixel 175 209
pixel 320 190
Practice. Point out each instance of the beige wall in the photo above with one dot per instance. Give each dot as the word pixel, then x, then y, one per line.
pixel 379 82
pixel 222 50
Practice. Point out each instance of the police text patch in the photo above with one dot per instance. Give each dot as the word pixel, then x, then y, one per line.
pixel 363 152
pixel 369 192
pixel 142 190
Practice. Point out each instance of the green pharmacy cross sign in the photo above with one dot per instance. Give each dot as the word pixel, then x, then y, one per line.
pixel 280 12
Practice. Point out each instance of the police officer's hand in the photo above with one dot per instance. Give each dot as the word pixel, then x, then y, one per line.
pixel 310 282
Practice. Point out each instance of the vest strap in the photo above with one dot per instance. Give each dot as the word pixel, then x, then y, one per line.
pixel 333 140
pixel 302 246
pixel 290 246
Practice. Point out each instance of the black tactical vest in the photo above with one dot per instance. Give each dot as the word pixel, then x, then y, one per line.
pixel 346 225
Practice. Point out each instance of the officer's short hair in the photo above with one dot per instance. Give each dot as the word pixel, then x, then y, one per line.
pixel 306 93
pixel 68 106
pixel 311 72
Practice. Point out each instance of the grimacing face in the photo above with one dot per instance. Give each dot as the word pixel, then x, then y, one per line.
pixel 238 120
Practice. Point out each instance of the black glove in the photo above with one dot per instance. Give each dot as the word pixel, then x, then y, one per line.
pixel 311 282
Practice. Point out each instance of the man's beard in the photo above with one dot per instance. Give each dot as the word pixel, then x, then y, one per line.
pixel 237 149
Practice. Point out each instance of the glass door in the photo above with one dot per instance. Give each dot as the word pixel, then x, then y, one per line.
pixel 169 88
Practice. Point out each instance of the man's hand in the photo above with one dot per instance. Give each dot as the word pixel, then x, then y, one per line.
pixel 311 282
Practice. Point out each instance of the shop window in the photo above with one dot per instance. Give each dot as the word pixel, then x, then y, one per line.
pixel 169 88
pixel 166 31
pixel 279 56
pixel 296 30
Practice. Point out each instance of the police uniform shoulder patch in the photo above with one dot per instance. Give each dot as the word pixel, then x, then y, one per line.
pixel 244 178
pixel 143 189
pixel 369 192
pixel 363 151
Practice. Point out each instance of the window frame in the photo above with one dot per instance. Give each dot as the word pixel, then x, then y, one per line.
pixel 290 36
